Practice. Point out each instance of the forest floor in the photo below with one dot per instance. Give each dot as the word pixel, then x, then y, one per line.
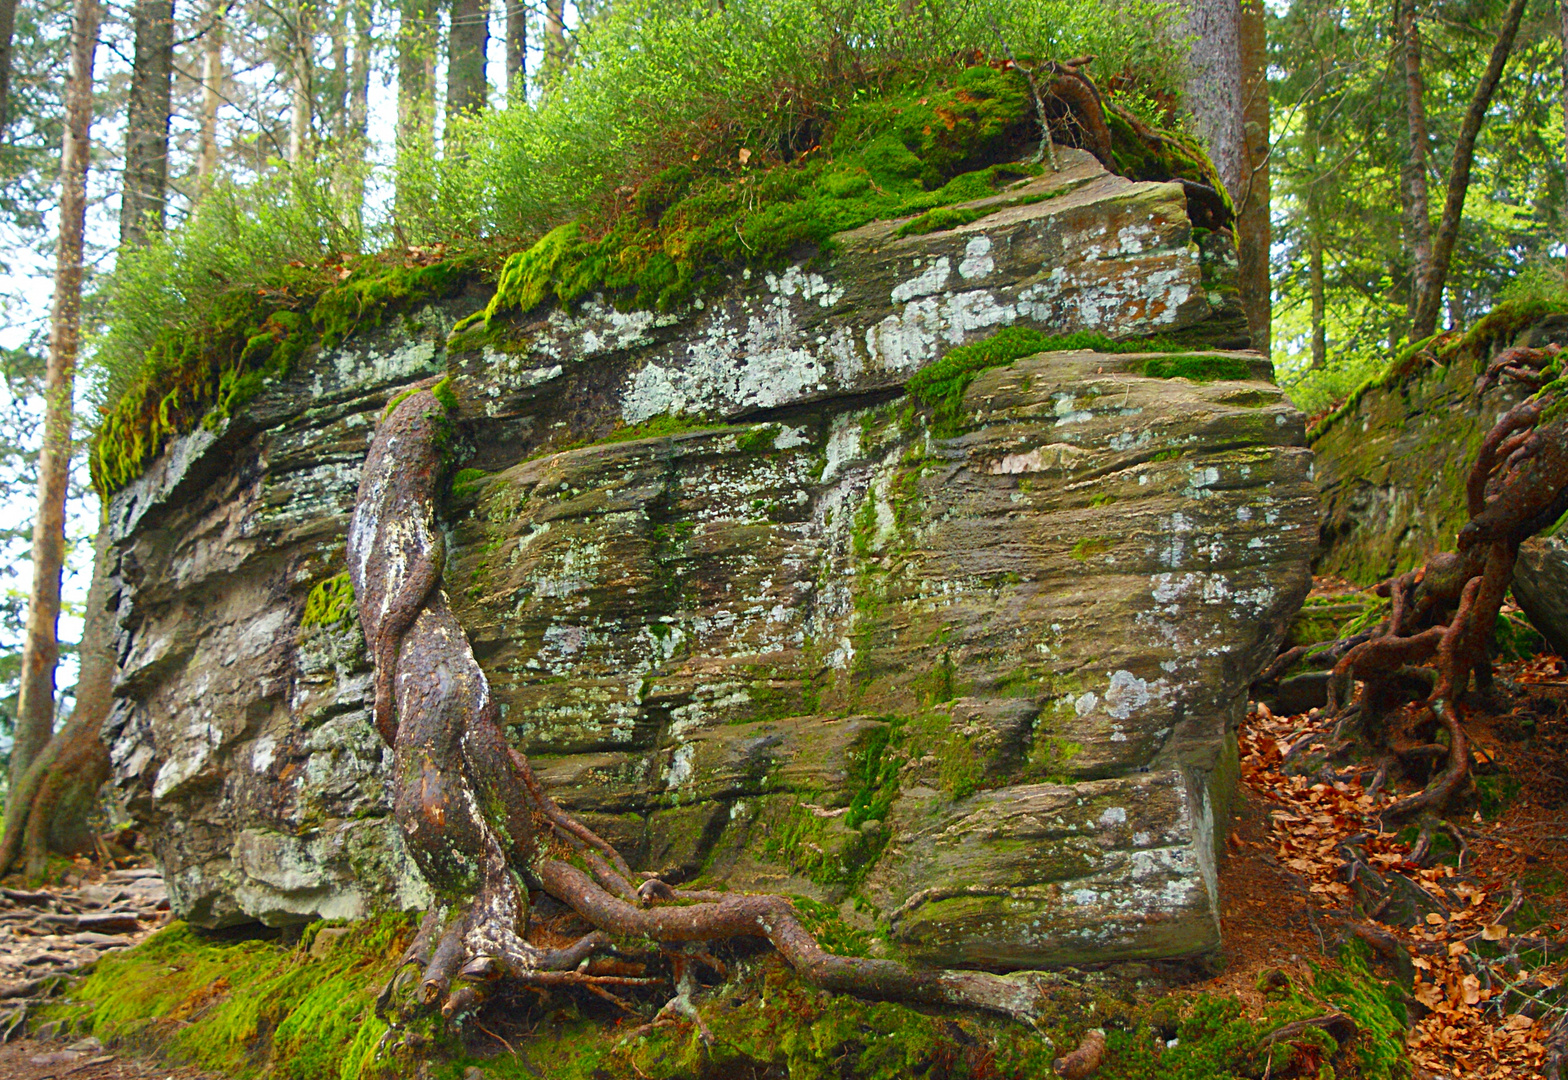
pixel 1471 938
pixel 1475 935
pixel 84 1059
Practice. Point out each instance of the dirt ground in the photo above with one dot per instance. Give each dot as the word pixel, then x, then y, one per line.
pixel 30 1059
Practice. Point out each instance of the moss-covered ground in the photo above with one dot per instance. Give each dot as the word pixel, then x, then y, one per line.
pixel 263 1008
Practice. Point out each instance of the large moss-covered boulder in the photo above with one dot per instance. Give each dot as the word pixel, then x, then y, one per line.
pixel 1392 460
pixel 751 614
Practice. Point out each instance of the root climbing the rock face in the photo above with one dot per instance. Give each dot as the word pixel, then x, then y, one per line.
pixel 1442 615
pixel 483 831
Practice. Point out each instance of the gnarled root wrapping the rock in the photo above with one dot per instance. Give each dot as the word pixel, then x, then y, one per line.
pixel 1442 614
pixel 481 828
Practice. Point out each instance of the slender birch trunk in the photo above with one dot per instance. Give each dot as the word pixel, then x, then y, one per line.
pixel 468 39
pixel 301 114
pixel 517 51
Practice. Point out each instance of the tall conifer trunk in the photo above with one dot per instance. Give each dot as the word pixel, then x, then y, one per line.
pixel 146 182
pixel 416 45
pixel 554 38
pixel 41 647
pixel 7 47
pixel 211 98
pixel 1252 217
pixel 517 52
pixel 301 84
pixel 1418 211
pixel 468 39
pixel 1214 86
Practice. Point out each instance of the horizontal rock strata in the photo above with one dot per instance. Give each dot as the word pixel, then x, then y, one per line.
pixel 980 688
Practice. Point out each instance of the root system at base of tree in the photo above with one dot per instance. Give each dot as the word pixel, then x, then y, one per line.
pixel 1435 638
pixel 483 831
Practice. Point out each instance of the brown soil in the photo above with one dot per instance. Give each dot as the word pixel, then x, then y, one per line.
pixel 29 1059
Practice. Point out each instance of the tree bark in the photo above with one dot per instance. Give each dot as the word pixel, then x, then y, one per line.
pixel 211 99
pixel 351 153
pixel 1418 211
pixel 416 45
pixel 1315 244
pixel 7 48
pixel 468 40
pixel 517 52
pixel 41 646
pixel 51 806
pixel 146 183
pixel 1214 87
pixel 1315 282
pixel 554 38
pixel 1431 296
pixel 1252 219
pixel 1562 27
pixel 301 90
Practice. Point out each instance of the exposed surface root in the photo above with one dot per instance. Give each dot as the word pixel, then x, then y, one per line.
pixel 1442 615
pixel 482 829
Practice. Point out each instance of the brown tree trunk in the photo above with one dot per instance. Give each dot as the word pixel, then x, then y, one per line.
pixel 1315 245
pixel 1418 211
pixel 517 52
pixel 52 804
pixel 357 115
pixel 211 99
pixel 416 45
pixel 146 182
pixel 7 46
pixel 1214 87
pixel 41 646
pixel 1315 280
pixel 1562 17
pixel 301 88
pixel 554 38
pixel 1430 300
pixel 468 39
pixel 1252 218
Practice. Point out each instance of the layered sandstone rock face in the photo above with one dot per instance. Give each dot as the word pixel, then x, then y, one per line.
pixel 978 689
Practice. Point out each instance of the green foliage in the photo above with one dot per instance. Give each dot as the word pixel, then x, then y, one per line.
pixel 915 145
pixel 1340 150
pixel 824 923
pixel 248 1008
pixel 329 603
pixel 1377 1008
pixel 660 427
pixel 463 482
pixel 217 350
pixel 874 772
pixel 663 85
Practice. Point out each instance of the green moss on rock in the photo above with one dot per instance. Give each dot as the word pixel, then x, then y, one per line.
pixel 329 602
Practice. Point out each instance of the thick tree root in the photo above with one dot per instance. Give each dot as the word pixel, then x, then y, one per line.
pixel 479 825
pixel 1442 615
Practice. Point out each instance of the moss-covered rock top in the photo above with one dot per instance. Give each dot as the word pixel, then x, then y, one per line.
pixel 933 152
